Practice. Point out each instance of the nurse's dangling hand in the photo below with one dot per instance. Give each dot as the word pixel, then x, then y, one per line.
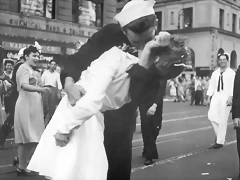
pixel 62 139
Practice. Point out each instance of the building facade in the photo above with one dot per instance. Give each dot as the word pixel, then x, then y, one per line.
pixel 55 24
pixel 212 26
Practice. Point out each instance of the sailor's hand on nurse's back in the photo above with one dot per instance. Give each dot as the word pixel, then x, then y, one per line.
pixel 74 93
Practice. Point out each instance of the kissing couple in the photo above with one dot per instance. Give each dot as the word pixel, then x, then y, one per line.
pixel 107 85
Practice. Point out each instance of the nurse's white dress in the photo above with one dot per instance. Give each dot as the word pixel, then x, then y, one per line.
pixel 106 83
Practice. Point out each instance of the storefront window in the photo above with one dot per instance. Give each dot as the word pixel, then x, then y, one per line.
pixel 44 8
pixel 89 12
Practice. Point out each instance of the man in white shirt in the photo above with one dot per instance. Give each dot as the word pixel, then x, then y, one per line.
pixel 221 90
pixel 198 90
pixel 197 83
pixel 51 78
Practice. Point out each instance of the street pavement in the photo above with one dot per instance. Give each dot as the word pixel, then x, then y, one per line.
pixel 183 150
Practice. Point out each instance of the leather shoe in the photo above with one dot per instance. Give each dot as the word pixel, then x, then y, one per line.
pixel 216 146
pixel 22 172
pixel 16 161
pixel 148 162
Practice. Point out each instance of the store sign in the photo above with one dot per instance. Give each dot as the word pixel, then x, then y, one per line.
pixel 18 46
pixel 15 56
pixel 46 25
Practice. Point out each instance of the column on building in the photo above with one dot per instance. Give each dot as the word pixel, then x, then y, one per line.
pixel 10 5
pixel 64 10
pixel 109 11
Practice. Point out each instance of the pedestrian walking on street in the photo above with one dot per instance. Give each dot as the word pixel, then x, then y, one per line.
pixel 236 111
pixel 51 79
pixel 151 124
pixel 198 91
pixel 220 91
pixel 192 90
pixel 28 117
pixel 181 94
pixel 173 90
pixel 205 91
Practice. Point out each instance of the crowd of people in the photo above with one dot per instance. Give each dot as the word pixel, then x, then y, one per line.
pixel 30 99
pixel 192 89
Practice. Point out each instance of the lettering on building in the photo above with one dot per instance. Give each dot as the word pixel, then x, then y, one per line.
pixel 18 46
pixel 51 27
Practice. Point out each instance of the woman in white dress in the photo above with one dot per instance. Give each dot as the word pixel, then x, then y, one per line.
pixel 107 84
pixel 173 91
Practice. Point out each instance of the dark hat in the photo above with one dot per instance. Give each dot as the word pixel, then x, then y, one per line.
pixel 8 61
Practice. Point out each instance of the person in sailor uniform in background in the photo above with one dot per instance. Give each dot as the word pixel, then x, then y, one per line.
pixel 221 91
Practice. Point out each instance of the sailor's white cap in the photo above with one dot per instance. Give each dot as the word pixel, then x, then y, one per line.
pixel 134 10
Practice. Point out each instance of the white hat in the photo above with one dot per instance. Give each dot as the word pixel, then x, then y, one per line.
pixel 133 10
pixel 37 45
pixel 20 52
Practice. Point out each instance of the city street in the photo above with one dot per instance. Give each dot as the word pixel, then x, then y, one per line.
pixel 183 150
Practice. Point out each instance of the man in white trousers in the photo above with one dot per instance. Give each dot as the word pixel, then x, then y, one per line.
pixel 220 93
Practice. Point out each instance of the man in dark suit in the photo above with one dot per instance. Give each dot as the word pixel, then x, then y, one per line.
pixel 151 123
pixel 119 124
pixel 236 110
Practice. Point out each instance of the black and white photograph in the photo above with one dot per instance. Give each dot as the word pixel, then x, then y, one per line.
pixel 119 90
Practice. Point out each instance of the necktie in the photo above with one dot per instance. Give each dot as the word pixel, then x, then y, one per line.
pixel 220 81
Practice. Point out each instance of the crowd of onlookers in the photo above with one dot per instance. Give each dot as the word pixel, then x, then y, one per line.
pixel 193 89
pixel 30 97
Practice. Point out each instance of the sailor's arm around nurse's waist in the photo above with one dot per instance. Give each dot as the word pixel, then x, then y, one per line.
pixel 101 73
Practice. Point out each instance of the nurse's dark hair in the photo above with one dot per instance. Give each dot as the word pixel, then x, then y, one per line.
pixel 141 25
pixel 29 50
pixel 223 54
